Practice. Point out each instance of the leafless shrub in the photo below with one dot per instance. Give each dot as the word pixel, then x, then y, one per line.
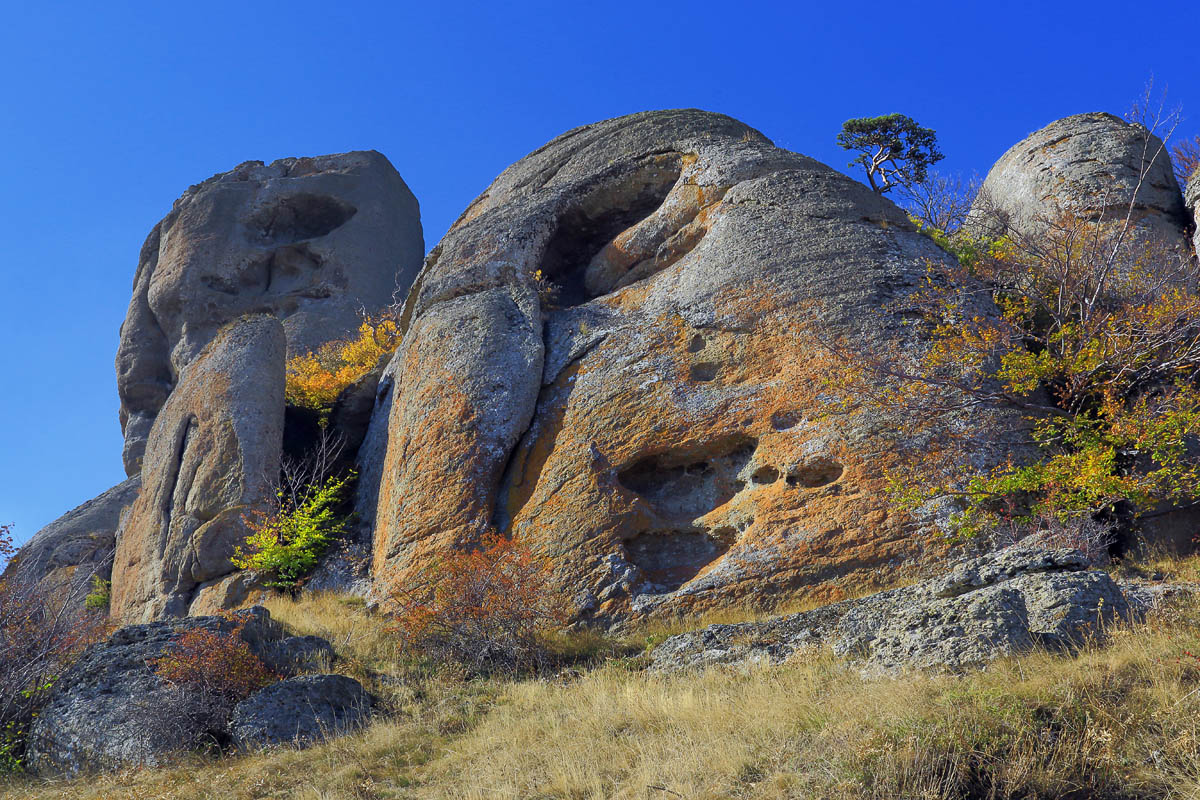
pixel 940 201
pixel 1088 534
pixel 42 630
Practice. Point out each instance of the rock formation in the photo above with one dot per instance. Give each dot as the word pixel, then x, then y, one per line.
pixel 80 543
pixel 989 607
pixel 1192 198
pixel 111 711
pixel 311 240
pixel 1090 165
pixel 606 356
pixel 212 454
pixel 300 711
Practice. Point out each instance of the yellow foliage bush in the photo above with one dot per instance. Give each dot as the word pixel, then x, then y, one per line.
pixel 314 380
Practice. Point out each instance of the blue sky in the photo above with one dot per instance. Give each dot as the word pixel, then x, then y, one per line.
pixel 111 110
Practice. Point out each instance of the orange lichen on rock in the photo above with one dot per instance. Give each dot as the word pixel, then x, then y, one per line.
pixel 613 361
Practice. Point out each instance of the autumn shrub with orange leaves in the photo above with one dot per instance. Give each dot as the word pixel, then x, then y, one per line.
pixel 215 663
pixel 315 380
pixel 486 610
pixel 211 672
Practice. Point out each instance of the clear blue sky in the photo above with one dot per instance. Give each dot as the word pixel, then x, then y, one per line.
pixel 111 110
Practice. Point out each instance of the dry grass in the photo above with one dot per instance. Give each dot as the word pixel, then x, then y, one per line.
pixel 1120 721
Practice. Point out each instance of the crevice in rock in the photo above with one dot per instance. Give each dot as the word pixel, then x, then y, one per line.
pixel 182 441
pixel 298 217
pixel 586 228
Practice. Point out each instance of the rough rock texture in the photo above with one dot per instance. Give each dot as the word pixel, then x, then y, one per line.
pixel 97 716
pixel 604 356
pixel 989 607
pixel 82 539
pixel 1088 164
pixel 1192 198
pixel 311 240
pixel 300 711
pixel 212 454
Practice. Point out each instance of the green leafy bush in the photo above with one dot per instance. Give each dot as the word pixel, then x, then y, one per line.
pixel 99 597
pixel 287 541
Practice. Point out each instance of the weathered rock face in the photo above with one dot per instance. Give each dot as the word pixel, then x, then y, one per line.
pixel 993 606
pixel 110 710
pixel 212 454
pixel 1192 198
pixel 312 240
pixel 604 357
pixel 1089 165
pixel 300 711
pixel 82 540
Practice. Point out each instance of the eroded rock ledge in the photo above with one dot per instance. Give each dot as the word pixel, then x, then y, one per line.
pixel 997 605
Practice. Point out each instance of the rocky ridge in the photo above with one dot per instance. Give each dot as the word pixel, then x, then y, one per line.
pixel 989 607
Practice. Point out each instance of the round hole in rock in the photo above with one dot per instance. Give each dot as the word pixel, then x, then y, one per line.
pixel 782 420
pixel 704 372
pixel 765 475
pixel 697 344
pixel 815 473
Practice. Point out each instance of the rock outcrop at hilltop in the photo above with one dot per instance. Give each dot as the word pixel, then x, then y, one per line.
pixel 997 605
pixel 78 544
pixel 311 240
pixel 212 455
pixel 606 357
pixel 1090 165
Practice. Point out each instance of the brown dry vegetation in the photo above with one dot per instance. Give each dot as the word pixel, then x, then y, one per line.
pixel 1119 721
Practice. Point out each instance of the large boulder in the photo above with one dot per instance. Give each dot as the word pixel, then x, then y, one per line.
pixel 609 356
pixel 311 240
pixel 300 711
pixel 1091 166
pixel 989 607
pixel 213 454
pixel 78 544
pixel 110 710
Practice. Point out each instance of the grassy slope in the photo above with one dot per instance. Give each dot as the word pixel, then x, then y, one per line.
pixel 1116 721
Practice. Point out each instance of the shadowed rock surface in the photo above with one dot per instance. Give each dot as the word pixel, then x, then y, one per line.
pixel 996 605
pixel 1193 203
pixel 110 710
pixel 300 711
pixel 82 539
pixel 604 356
pixel 1089 165
pixel 311 240
pixel 213 454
